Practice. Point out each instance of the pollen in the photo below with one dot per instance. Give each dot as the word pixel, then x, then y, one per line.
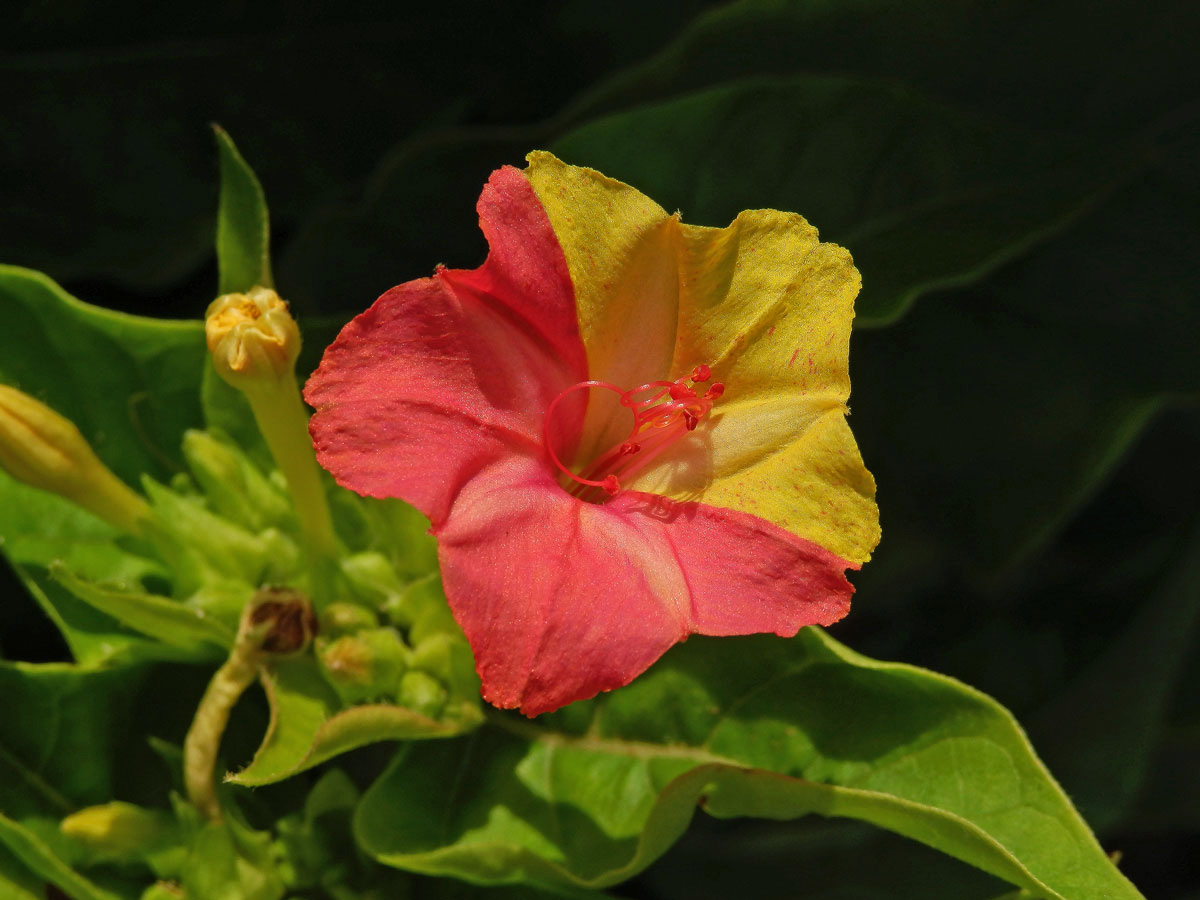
pixel 663 412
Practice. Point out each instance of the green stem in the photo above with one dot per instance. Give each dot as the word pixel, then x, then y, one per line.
pixel 115 502
pixel 204 737
pixel 283 420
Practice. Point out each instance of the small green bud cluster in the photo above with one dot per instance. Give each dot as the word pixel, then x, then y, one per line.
pixel 368 658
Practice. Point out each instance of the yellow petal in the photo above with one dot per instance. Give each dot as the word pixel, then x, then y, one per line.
pixel 767 306
pixel 620 250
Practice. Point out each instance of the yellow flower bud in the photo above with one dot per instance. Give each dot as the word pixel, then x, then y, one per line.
pixel 118 830
pixel 251 336
pixel 42 448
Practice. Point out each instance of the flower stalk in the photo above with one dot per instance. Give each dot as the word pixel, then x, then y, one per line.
pixel 277 622
pixel 254 342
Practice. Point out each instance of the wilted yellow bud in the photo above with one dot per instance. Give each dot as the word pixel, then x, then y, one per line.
pixel 254 342
pixel 42 448
pixel 251 336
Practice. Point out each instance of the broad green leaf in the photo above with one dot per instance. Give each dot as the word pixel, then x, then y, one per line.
pixel 754 726
pixel 128 382
pixel 1010 58
pixel 40 858
pixel 17 881
pixel 243 224
pixel 308 725
pixel 64 735
pixel 924 195
pixel 1118 705
pixel 161 618
pixel 711 862
pixel 1021 397
pixel 93 637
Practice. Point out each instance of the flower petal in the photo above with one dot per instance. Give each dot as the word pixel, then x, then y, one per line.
pixel 562 599
pixel 767 306
pixel 621 249
pixel 444 374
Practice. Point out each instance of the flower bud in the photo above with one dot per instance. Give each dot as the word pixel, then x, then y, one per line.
pixel 233 485
pixel 447 657
pixel 252 337
pixel 371 577
pixel 118 831
pixel 421 692
pixel 366 665
pixel 338 619
pixel 42 448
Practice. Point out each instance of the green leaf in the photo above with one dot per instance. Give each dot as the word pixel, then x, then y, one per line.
pixel 1008 58
pixel 308 725
pixel 1118 704
pixel 925 195
pixel 62 739
pixel 93 637
pixel 753 726
pixel 243 226
pixel 128 382
pixel 39 857
pixel 1025 394
pixel 17 882
pixel 161 618
pixel 228 861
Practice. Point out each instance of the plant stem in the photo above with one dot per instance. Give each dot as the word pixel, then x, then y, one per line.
pixel 212 715
pixel 283 420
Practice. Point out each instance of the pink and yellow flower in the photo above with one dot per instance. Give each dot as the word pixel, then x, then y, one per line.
pixel 623 429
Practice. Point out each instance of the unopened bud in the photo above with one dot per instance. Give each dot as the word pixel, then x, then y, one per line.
pixel 338 619
pixel 366 665
pixel 252 337
pixel 42 448
pixel 118 831
pixel 447 657
pixel 421 692
pixel 234 486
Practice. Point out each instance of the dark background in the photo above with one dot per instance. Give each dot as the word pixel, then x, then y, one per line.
pixel 1031 421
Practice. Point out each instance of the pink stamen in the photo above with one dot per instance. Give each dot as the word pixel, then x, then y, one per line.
pixel 670 410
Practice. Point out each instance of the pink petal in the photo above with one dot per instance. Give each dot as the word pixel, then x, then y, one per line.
pixel 443 375
pixel 562 599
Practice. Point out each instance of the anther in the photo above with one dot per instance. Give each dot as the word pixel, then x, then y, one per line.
pixel 663 411
pixel 680 391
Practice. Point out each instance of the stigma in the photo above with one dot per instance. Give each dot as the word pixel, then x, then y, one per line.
pixel 663 412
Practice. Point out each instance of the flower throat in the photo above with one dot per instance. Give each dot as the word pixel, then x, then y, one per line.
pixel 663 412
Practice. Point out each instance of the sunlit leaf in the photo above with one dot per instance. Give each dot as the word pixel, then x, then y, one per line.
pixel 755 726
pixel 308 725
